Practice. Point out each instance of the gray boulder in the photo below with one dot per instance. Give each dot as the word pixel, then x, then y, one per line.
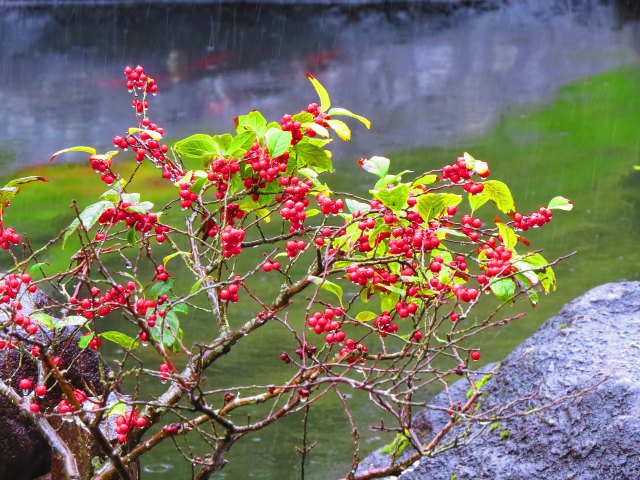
pixel 593 436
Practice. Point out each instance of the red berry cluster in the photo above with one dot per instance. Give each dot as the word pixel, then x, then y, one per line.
pixel 232 241
pixel 329 206
pixel 319 118
pixel 458 171
pixel 288 125
pixel 165 369
pixel 231 292
pixel 464 294
pixel 266 168
pixel 469 227
pixel 187 196
pixel 161 274
pixel 536 219
pixel 294 201
pixel 7 236
pixel 222 170
pixel 405 309
pixel 326 322
pixel 232 213
pixel 350 348
pixel 499 260
pixel 102 166
pixel 141 222
pixel 10 287
pixel 309 350
pixel 385 325
pixel 406 241
pixel 126 422
pixel 269 265
pixel 136 78
pixel 102 305
pixel 294 247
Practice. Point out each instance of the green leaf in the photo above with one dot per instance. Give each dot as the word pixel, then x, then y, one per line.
pixel 119 338
pixel 302 117
pixel 85 340
pixel 199 147
pixel 224 142
pixel 131 236
pixel 180 308
pixel 253 121
pixel 160 288
pixel 560 203
pixel 313 156
pixel 23 180
pixel 356 206
pixel 504 289
pixel 394 198
pixel 70 321
pixel 89 150
pixel 36 267
pixel 117 408
pixel 545 273
pixel 395 448
pixel 496 191
pixel 319 129
pixel 7 193
pixel 142 207
pixel 196 285
pixel 328 286
pixel 342 129
pixel 42 319
pixel 152 133
pixel 473 164
pixel 242 143
pixel 88 217
pixel 278 141
pixel 377 165
pixel 509 237
pixel 425 180
pixel 166 259
pixel 431 205
pixel 325 101
pixel 366 316
pixel 346 113
pixel 167 331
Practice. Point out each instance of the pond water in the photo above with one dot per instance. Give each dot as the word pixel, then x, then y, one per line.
pixel 433 86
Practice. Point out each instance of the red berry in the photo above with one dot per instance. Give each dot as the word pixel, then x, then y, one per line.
pixel 475 355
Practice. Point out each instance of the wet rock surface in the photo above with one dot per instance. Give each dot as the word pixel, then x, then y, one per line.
pixel 593 436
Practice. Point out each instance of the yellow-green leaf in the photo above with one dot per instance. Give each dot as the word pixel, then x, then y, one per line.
pixel 325 101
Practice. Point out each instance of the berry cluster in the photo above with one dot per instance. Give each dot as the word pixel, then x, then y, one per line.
pixel 469 227
pixel 7 236
pixel 460 171
pixel 329 206
pixel 102 305
pixel 187 196
pixel 294 247
pixel 222 170
pixel 325 322
pixel 231 292
pixel 288 125
pixel 408 240
pixel 141 222
pixel 126 422
pixel 536 219
pixel 499 260
pixel 267 169
pixel 385 325
pixel 294 201
pixel 269 265
pixel 136 78
pixel 232 241
pixel 352 352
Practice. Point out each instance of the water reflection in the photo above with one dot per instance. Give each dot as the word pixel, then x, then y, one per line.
pixel 422 79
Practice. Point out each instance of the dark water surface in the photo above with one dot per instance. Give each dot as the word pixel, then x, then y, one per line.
pixel 431 84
